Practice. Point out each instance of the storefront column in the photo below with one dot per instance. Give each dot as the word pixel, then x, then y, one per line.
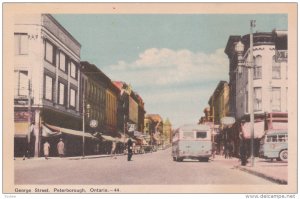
pixel 37 133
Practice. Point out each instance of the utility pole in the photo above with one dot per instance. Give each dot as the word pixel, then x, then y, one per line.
pixel 252 25
pixel 27 152
pixel 83 122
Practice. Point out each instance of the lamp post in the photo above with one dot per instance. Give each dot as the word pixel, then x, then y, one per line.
pixel 239 48
pixel 252 25
pixel 83 122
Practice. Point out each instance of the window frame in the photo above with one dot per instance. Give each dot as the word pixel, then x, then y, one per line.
pixel 52 87
pixel 276 65
pixel 19 45
pixel 75 97
pixel 54 49
pixel 75 74
pixel 257 69
pixel 65 93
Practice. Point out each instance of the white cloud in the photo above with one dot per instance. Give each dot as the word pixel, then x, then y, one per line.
pixel 165 66
pixel 175 84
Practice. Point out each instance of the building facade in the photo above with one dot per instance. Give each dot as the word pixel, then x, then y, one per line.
pixel 167 132
pixel 219 108
pixel 270 80
pixel 47 82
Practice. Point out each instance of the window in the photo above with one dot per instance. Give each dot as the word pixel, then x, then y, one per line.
pixel 63 63
pixel 50 52
pixel 62 94
pixel 72 97
pixel 257 67
pixel 187 135
pixel 73 70
pixel 272 138
pixel 49 85
pixel 201 135
pixel 21 83
pixel 275 68
pixel 276 99
pixel 21 44
pixel 257 99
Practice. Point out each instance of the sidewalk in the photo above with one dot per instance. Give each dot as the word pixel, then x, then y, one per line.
pixel 275 171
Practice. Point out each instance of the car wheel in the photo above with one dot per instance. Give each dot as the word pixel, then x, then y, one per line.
pixel 283 155
pixel 174 158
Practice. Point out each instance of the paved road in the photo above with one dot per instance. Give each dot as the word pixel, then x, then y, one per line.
pixel 151 168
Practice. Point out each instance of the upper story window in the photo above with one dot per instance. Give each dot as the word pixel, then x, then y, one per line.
pixel 276 68
pixel 50 53
pixel 257 67
pixel 276 99
pixel 73 70
pixel 63 62
pixel 21 83
pixel 48 87
pixel 73 98
pixel 257 99
pixel 62 94
pixel 21 43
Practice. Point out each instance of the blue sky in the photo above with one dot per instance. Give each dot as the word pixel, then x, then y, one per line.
pixel 174 61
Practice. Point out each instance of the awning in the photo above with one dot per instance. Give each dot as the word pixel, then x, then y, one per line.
pixel 46 132
pixel 259 128
pixel 109 138
pixel 71 131
pixel 22 129
pixel 279 125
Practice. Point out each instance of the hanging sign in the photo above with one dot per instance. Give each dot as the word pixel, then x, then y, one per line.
pixel 227 120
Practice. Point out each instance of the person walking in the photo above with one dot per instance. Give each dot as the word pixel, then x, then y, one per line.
pixel 113 149
pixel 129 148
pixel 61 148
pixel 46 149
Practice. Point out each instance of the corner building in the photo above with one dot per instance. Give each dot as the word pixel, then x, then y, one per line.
pixel 46 90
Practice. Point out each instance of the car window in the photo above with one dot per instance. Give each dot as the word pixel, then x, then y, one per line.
pixel 201 135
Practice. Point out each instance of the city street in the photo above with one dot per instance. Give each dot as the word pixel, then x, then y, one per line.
pixel 151 168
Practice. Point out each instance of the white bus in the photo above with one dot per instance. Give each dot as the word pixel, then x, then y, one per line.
pixel 192 142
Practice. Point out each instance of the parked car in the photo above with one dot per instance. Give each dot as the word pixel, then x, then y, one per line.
pixel 274 145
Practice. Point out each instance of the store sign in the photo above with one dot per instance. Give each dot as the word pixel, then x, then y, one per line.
pixel 281 55
pixel 227 120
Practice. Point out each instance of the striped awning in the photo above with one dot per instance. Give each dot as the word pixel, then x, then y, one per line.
pixel 71 131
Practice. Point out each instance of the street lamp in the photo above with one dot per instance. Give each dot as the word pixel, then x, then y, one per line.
pixel 239 48
pixel 88 106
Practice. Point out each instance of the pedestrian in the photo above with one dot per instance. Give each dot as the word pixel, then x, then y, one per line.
pixel 46 149
pixel 243 148
pixel 113 149
pixel 129 148
pixel 214 150
pixel 61 148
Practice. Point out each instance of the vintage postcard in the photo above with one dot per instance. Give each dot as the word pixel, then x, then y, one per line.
pixel 121 98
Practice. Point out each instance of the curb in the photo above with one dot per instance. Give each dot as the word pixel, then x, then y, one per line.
pixel 262 175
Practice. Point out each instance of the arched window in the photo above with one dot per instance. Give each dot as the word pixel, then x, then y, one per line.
pixel 276 69
pixel 257 67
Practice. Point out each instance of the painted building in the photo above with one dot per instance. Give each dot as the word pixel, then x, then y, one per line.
pixel 154 127
pixel 46 90
pixel 270 80
pixel 131 111
pixel 100 98
pixel 219 108
pixel 167 132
